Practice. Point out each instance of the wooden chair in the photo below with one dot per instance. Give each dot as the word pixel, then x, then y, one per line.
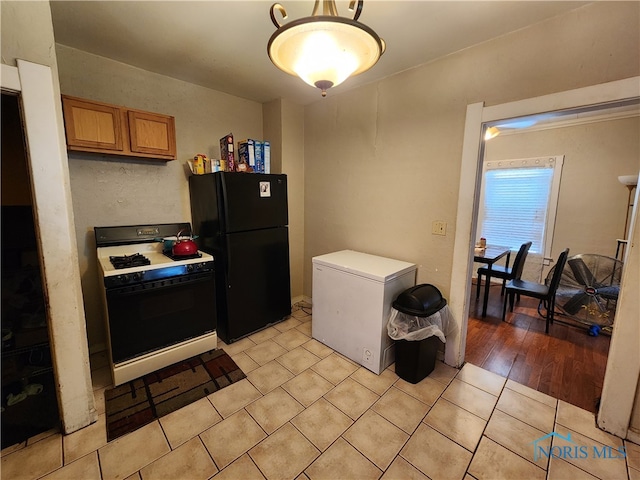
pixel 506 272
pixel 545 293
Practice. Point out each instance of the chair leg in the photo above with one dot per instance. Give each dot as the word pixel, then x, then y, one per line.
pixel 504 307
pixel 548 319
pixel 478 282
pixel 511 297
pixel 504 285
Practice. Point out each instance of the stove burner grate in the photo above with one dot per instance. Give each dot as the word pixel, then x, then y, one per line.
pixel 128 261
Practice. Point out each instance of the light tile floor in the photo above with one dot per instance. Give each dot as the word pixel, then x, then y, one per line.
pixel 306 412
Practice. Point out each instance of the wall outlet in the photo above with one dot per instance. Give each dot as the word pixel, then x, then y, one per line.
pixel 367 356
pixel 438 227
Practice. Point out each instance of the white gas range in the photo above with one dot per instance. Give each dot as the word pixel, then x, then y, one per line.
pixel 160 309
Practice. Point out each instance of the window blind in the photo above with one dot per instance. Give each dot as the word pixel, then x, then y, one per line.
pixel 518 203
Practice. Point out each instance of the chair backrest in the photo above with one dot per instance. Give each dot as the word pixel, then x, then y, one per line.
pixel 518 263
pixel 557 273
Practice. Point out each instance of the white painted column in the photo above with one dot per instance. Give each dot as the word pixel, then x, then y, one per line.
pixel 465 235
pixel 619 391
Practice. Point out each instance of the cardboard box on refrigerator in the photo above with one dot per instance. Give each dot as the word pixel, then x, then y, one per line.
pixel 267 157
pixel 259 150
pixel 246 153
pixel 227 153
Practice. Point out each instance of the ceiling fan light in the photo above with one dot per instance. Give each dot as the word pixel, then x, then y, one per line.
pixel 324 49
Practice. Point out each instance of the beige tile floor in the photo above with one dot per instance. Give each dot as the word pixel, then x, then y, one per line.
pixel 306 412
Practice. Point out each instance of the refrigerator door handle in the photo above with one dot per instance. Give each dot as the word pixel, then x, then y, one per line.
pixel 227 268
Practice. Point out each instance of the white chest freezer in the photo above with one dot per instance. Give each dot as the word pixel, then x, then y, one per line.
pixel 352 297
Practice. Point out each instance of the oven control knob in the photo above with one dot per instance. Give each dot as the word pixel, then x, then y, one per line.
pixel 191 267
pixel 123 278
pixel 137 276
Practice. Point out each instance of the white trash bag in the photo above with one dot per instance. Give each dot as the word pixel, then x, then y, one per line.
pixel 402 326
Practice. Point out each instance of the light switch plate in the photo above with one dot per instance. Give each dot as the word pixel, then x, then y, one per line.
pixel 438 227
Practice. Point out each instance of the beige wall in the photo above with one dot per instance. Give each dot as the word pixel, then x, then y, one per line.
pixel 284 126
pixel 592 204
pixel 382 162
pixel 110 190
pixel 19 21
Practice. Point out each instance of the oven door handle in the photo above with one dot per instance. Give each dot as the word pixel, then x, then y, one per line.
pixel 158 284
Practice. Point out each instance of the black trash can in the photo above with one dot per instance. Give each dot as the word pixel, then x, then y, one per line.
pixel 417 359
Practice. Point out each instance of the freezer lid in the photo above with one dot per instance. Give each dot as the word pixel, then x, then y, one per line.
pixel 377 268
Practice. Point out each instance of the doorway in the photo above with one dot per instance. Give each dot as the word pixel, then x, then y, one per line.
pixel 620 382
pixel 34 88
pixel 596 148
pixel 29 403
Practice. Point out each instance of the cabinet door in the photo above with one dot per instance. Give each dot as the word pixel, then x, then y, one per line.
pixel 92 125
pixel 152 133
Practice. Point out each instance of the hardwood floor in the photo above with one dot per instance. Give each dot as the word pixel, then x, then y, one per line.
pixel 567 364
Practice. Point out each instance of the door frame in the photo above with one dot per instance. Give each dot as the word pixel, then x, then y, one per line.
pixel 613 415
pixel 48 169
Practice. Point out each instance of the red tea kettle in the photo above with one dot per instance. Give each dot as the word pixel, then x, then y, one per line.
pixel 184 247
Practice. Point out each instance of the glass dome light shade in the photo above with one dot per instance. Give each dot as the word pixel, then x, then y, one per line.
pixel 324 50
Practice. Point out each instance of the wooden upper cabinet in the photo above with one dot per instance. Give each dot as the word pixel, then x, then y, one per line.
pixel 92 125
pixel 102 128
pixel 152 133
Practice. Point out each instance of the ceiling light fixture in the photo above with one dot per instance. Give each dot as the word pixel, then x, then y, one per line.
pixel 324 49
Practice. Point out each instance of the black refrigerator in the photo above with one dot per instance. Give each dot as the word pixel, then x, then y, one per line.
pixel 241 219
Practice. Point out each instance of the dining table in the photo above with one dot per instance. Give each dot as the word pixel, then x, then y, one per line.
pixel 490 255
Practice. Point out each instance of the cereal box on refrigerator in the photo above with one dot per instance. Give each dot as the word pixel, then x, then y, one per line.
pixel 227 154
